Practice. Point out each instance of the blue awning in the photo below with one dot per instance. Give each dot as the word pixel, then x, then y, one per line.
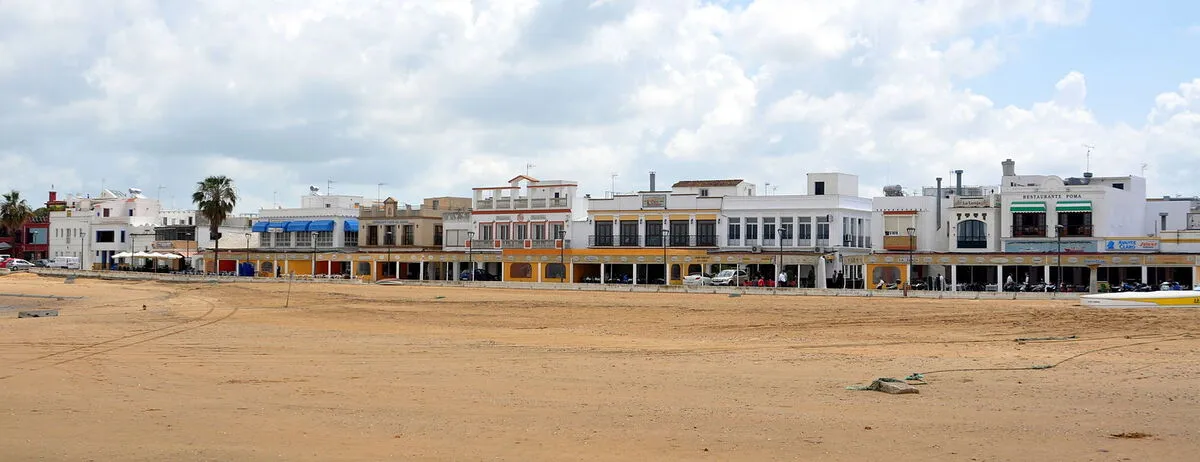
pixel 277 225
pixel 259 227
pixel 296 226
pixel 321 225
pixel 351 225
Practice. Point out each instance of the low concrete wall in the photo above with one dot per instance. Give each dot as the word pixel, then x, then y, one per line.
pixel 641 288
pixel 184 278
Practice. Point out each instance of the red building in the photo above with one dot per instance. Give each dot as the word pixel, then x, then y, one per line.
pixel 33 240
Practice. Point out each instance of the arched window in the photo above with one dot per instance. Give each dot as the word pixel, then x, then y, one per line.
pixel 972 234
pixel 522 270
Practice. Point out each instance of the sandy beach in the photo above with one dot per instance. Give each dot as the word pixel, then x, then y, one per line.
pixel 158 371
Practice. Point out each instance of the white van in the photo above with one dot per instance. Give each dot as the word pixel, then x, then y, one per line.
pixel 64 262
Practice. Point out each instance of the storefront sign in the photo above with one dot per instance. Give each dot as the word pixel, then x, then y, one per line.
pixel 1051 246
pixel 654 201
pixel 1052 196
pixel 972 202
pixel 1129 245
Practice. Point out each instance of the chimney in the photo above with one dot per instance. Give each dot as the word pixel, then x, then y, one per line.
pixel 1009 167
pixel 651 181
pixel 958 182
pixel 939 203
pixel 53 196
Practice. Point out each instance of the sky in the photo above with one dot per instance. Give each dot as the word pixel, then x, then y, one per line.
pixel 435 97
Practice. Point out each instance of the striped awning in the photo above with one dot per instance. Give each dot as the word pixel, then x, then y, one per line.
pixel 1028 207
pixel 1073 206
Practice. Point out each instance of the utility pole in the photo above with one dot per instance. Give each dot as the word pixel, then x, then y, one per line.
pixel 1088 165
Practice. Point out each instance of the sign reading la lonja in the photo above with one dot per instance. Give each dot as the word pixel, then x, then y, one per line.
pixel 1119 245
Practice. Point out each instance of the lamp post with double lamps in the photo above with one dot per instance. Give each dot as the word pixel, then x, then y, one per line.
pixel 1058 232
pixel 912 238
pixel 562 255
pixel 470 257
pixel 313 235
pixel 666 266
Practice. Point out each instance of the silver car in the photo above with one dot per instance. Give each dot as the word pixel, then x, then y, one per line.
pixel 697 279
pixel 729 278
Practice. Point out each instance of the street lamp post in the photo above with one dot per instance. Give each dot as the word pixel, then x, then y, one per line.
pixel 562 255
pixel 248 251
pixel 389 239
pixel 666 265
pixel 779 234
pixel 470 256
pixel 912 235
pixel 313 235
pixel 1058 232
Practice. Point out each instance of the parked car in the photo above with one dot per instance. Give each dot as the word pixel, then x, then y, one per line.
pixel 698 279
pixel 41 263
pixel 480 275
pixel 729 278
pixel 15 264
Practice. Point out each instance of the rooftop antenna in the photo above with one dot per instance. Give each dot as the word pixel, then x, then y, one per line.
pixel 528 165
pixel 1089 157
pixel 613 177
pixel 274 198
pixel 1144 165
pixel 328 187
pixel 767 186
pixel 379 191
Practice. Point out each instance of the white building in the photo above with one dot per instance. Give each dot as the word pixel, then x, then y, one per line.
pixel 115 222
pixel 526 214
pixel 332 220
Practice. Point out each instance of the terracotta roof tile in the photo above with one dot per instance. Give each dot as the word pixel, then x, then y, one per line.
pixel 706 183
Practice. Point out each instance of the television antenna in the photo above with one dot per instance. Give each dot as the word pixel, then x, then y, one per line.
pixel 379 191
pixel 528 165
pixel 1144 165
pixel 1088 165
pixel 328 187
pixel 613 178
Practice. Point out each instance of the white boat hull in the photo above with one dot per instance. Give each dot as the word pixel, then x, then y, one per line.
pixel 1165 298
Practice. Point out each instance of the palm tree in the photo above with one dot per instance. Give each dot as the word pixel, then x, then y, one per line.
pixel 215 198
pixel 14 212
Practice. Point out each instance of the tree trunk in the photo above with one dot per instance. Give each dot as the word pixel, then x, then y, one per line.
pixel 216 251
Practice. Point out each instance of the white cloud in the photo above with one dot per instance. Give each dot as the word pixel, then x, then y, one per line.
pixel 434 98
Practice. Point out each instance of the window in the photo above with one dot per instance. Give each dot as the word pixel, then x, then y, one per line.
pixel 164 222
pixel 539 231
pixel 521 270
pixel 350 238
pixel 823 230
pixel 556 271
pixel 389 234
pixel 972 234
pixel 105 236
pixel 786 228
pixel 703 192
pixel 752 229
pixel 106 211
pixel 769 228
pixel 122 235
pixel 629 233
pixel 303 239
pixel 805 229
pixel 1029 224
pixel 372 235
pixel 735 228
pixel 556 231
pixel 1119 185
pixel 679 233
pixel 131 212
pixel 436 204
pixel 324 238
pixel 190 221
pixel 502 231
pixel 604 233
pixel 408 235
pixel 654 236
pixel 1079 224
pixel 706 233
pixel 485 232
pixel 437 234
pixel 522 231
pixel 819 188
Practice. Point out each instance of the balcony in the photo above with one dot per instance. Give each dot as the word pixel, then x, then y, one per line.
pixel 1028 231
pixel 705 240
pixel 600 241
pixel 899 242
pixel 629 240
pixel 522 203
pixel 1077 231
pixel 483 244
